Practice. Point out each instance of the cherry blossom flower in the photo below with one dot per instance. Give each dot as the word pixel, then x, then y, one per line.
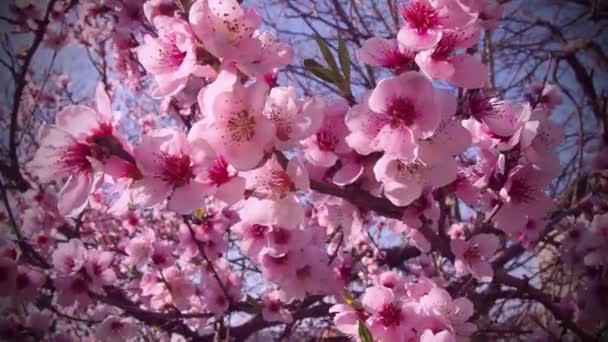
pixel 70 257
pixel 75 147
pixel 293 119
pixel 425 20
pixel 273 310
pixel 324 148
pixel 461 70
pixel 387 53
pixel 389 320
pixel 171 57
pixel 409 109
pixel 115 329
pixel 522 195
pixel 171 168
pixel 98 267
pixel 472 255
pixel 236 128
pixel 225 28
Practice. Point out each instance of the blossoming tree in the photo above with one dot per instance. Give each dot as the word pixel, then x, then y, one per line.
pixel 219 184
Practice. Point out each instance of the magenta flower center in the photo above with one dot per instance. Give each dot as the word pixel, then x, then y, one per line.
pixel 402 112
pixel 273 306
pixel 521 192
pixel 304 272
pixel 280 236
pixel 177 169
pixel 445 47
pixel 280 183
pixel 74 159
pixel 78 286
pixel 116 326
pixel 420 16
pixel 472 253
pixel 397 60
pixel 257 231
pixel 22 281
pixel 326 141
pixel 390 315
pixel 3 274
pixel 218 173
pixel 170 55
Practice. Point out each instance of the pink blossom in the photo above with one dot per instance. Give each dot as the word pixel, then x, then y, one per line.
pixel 461 70
pixel 171 168
pixel 27 284
pixel 409 109
pixel 271 56
pixel 274 182
pixel 154 8
pixel 236 128
pixel 69 257
pixel 115 329
pixel 224 28
pixel 390 320
pixel 139 249
pixel 293 119
pixel 171 57
pixel 253 238
pixel 386 53
pixel 346 319
pixel 442 336
pixel 324 148
pixel 74 147
pixel 72 290
pixel 522 195
pixel 472 255
pixel 273 310
pixel 404 182
pixel 425 20
pixel 98 267
pixel 8 276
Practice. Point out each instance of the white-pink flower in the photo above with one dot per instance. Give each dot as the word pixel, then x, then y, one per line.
pixel 472 256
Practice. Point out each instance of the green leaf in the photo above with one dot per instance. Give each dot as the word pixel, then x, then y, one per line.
pixel 344 59
pixel 320 71
pixel 364 333
pixel 327 55
pixel 350 301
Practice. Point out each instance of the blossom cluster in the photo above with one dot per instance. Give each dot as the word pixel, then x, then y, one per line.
pixel 248 176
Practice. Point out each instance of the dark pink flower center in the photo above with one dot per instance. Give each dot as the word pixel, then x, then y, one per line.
pixel 177 169
pixel 69 263
pixel 78 285
pixel 3 274
pixel 10 253
pixel 482 106
pixel 280 182
pixel 218 173
pixel 472 253
pixel 397 60
pixel 22 281
pixel 97 269
pixel 74 159
pixel 326 141
pixel 420 16
pixel 445 47
pixel 304 272
pixel 158 259
pixel 273 306
pixel 280 236
pixel 402 112
pixel 170 55
pixel 390 315
pixel 521 192
pixel 116 326
pixel 257 231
